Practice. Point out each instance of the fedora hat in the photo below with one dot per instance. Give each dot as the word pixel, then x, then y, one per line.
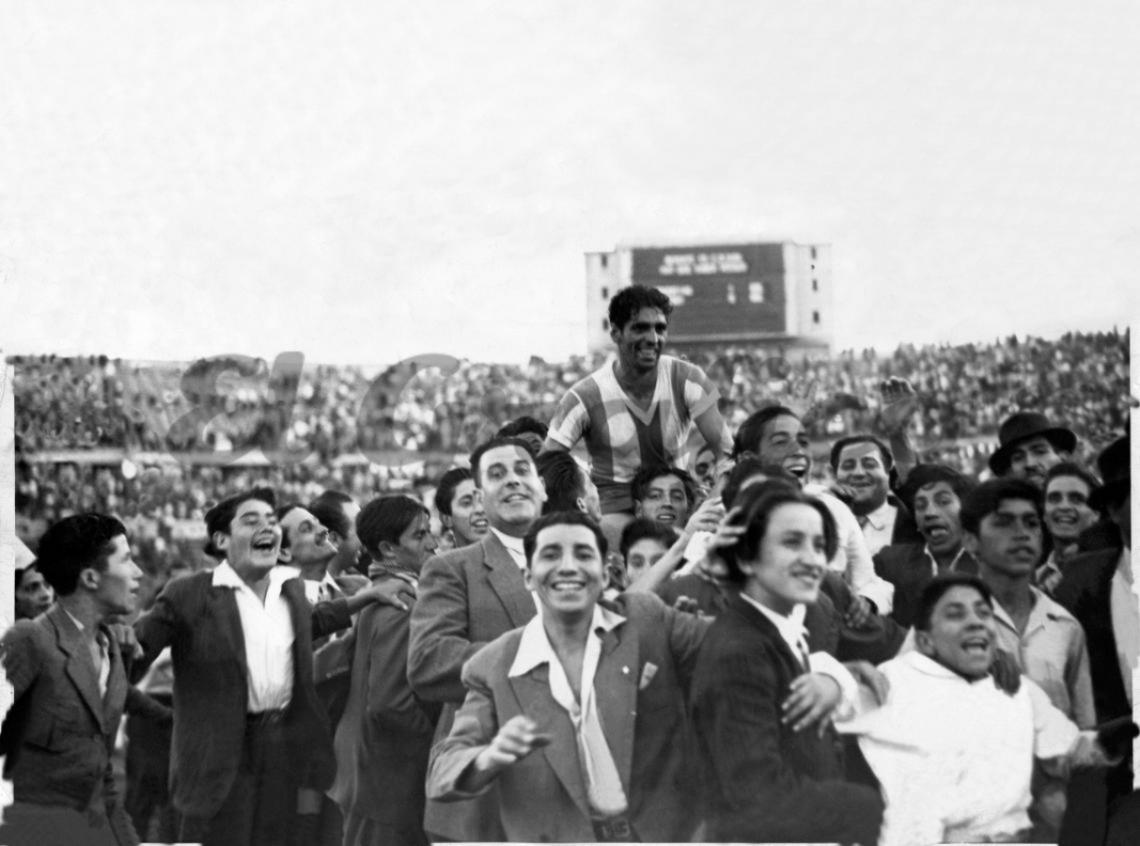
pixel 1021 427
pixel 1115 466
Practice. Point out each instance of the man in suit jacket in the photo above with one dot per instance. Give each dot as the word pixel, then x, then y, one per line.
pixel 934 494
pixel 384 739
pixel 467 597
pixel 70 689
pixel 1100 589
pixel 245 709
pixel 599 688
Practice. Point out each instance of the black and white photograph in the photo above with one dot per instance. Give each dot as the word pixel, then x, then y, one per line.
pixel 504 422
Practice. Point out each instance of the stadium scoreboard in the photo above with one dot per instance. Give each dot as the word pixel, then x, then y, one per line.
pixel 723 291
pixel 717 291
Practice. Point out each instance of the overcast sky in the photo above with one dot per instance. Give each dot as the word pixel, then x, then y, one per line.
pixel 363 181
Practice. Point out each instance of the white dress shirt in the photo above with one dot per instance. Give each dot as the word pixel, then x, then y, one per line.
pixel 268 633
pixel 879 526
pixel 518 555
pixel 103 670
pixel 604 792
pixel 852 558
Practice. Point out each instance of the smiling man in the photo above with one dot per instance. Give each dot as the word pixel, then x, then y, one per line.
pixel 307 547
pixel 639 409
pixel 578 717
pixel 69 691
pixel 245 707
pixel 954 754
pixel 864 465
pixel 468 597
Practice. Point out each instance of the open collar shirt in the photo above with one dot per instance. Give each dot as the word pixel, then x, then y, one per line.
pixel 879 525
pixel 604 792
pixel 1052 651
pixel 267 630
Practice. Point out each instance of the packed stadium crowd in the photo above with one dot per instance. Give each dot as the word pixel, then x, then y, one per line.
pixel 965 391
pixel 724 598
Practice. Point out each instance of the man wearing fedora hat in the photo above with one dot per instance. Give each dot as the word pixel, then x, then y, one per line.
pixel 1101 590
pixel 1028 445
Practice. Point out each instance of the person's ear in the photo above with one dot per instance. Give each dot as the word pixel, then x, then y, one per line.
pixel 528 580
pixel 387 550
pixel 580 504
pixel 924 643
pixel 89 578
pixel 221 541
pixel 638 512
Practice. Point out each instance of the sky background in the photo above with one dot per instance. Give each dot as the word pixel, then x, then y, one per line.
pixel 368 181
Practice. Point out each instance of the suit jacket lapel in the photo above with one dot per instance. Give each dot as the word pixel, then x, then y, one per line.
pixel 533 694
pixel 616 686
pixel 221 604
pixel 80 668
pixel 791 662
pixel 506 580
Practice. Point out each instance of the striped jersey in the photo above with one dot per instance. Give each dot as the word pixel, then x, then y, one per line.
pixel 620 436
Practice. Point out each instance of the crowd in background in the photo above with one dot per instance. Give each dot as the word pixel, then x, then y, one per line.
pixel 95 402
pixel 966 389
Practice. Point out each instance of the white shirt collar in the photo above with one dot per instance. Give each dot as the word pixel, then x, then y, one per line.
pixel 534 646
pixel 791 627
pixel 881 516
pixel 225 575
pixel 514 547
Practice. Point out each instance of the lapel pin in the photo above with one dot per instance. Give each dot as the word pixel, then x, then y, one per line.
pixel 625 671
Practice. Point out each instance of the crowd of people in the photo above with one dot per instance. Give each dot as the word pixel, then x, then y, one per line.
pixel 965 390
pixel 651 610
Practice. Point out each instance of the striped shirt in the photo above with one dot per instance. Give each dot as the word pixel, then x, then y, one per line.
pixel 621 436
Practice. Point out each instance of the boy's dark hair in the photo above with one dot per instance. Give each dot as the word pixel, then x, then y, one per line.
pixel 74 544
pixel 937 587
pixel 445 491
pixel 563 479
pixel 523 425
pixel 747 468
pixel 563 518
pixel 751 431
pixel 640 529
pixel 385 519
pixel 647 473
pixel 987 497
pixel 927 474
pixel 629 301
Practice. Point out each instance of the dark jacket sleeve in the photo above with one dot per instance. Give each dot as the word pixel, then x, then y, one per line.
pixel 330 616
pixel 390 700
pixel 762 796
